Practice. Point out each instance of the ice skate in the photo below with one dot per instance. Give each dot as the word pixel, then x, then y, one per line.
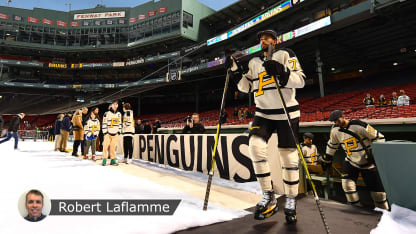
pixel 290 210
pixel 104 161
pixel 266 207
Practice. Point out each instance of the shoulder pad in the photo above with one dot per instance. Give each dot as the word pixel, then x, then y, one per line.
pixel 358 122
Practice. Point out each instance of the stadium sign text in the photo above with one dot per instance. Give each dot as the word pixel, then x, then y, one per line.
pixel 101 15
pixel 191 152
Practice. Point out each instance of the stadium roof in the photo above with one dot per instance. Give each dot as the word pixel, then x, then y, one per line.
pixel 236 13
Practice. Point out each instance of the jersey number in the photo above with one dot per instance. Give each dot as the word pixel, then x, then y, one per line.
pixel 350 143
pixel 292 62
pixel 263 83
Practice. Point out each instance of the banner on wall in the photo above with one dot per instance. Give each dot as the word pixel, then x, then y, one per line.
pixel 191 152
pixel 61 23
pixel 141 17
pixel 32 20
pixel 46 21
pixel 4 16
pixel 162 10
pixel 151 13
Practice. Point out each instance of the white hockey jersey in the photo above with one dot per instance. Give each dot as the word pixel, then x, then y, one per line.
pixel 310 153
pixel 268 103
pixel 128 123
pixel 112 123
pixel 92 129
pixel 355 152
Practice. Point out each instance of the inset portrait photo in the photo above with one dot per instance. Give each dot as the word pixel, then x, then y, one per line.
pixel 34 205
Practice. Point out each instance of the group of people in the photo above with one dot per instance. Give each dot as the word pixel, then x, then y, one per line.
pixel 402 100
pixel 87 126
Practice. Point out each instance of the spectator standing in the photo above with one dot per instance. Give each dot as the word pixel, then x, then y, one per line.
pixel 14 126
pixel 139 128
pixel 111 127
pixel 78 130
pixel 156 125
pixel 92 129
pixel 57 131
pixel 65 129
pixel 85 118
pixel 128 132
pixel 147 129
pixel 194 126
pixel 403 99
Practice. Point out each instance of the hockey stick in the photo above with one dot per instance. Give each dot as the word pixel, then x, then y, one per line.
pixel 211 171
pixel 318 202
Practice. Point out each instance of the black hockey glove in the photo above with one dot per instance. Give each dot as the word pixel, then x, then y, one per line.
pixel 235 67
pixel 276 69
pixel 325 161
pixel 223 118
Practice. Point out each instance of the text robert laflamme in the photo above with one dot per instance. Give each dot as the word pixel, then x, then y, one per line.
pixel 114 207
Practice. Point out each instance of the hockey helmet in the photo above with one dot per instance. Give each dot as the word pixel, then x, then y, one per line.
pixel 268 31
pixel 335 115
pixel 308 135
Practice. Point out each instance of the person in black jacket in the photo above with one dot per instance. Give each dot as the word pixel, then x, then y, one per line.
pixel 139 128
pixel 193 125
pixel 13 127
pixel 147 129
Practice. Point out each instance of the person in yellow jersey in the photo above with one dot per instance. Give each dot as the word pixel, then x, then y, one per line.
pixel 92 129
pixel 111 128
pixel 355 137
pixel 285 69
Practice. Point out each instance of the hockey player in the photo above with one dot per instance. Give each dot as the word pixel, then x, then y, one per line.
pixel 128 133
pixel 284 68
pixel 309 150
pixel 111 130
pixel 355 138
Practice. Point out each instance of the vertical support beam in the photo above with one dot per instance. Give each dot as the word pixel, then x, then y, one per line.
pixel 319 69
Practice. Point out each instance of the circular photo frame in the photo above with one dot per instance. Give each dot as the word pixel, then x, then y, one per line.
pixel 34 205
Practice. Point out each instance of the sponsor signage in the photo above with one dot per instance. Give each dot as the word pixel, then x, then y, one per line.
pixel 132 20
pixel 102 15
pixel 151 13
pixel 121 21
pixel 76 65
pixel 21 63
pixel 141 17
pixel 99 65
pixel 135 62
pixel 251 23
pixel 118 64
pixel 57 65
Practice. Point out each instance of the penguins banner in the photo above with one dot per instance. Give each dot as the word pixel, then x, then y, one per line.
pixel 194 153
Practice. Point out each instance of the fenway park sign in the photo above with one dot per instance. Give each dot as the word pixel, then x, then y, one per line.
pixel 101 15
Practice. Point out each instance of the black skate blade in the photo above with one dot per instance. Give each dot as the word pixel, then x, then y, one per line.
pixel 266 214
